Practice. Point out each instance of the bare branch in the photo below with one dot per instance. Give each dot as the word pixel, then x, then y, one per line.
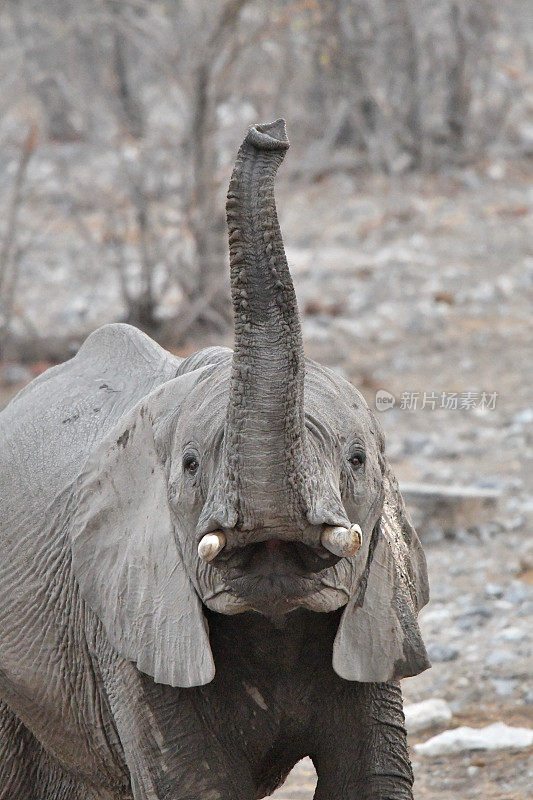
pixel 9 266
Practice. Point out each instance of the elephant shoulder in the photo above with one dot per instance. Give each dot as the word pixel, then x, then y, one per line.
pixel 48 430
pixel 117 349
pixel 123 347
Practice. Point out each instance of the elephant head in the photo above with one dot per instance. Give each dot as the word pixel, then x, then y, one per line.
pixel 253 480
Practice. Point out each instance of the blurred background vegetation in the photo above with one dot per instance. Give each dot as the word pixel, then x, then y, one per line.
pixel 120 121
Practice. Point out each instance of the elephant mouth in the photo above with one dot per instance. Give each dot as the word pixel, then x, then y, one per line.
pixel 273 576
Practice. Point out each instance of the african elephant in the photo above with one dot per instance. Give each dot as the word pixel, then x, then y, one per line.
pixel 206 567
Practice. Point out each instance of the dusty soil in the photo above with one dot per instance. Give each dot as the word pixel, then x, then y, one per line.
pixel 423 284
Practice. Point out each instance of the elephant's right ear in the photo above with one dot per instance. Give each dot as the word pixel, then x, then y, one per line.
pixel 378 638
pixel 125 556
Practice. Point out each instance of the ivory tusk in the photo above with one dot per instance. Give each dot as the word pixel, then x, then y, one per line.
pixel 343 542
pixel 211 544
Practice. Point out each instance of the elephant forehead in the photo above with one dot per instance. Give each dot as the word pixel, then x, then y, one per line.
pixel 329 399
pixel 204 409
pixel 333 401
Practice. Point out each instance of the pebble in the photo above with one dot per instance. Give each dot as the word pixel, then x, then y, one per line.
pixel 524 417
pixel 498 657
pixel 494 590
pixel 512 635
pixel 417 443
pixel 497 736
pixel 473 618
pixel 504 687
pixel 478 611
pixel 427 714
pixel 502 605
pixel 439 653
pixel 436 614
pixel 517 593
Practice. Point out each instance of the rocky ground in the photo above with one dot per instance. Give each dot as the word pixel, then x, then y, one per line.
pixel 419 286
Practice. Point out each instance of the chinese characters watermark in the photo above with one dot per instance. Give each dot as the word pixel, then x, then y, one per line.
pixel 450 401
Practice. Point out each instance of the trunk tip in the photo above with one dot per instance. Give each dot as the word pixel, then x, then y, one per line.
pixel 269 135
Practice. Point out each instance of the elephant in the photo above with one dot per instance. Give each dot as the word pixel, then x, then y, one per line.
pixel 207 571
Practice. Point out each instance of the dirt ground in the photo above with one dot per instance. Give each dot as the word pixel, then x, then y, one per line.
pixel 421 285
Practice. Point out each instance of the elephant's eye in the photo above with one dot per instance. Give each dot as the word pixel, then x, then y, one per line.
pixel 190 463
pixel 357 458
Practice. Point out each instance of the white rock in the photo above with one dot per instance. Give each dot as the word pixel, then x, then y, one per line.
pixel 435 615
pixel 420 716
pixel 498 657
pixel 498 736
pixel 512 635
pixel 504 687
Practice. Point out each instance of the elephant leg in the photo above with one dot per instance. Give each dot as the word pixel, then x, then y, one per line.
pixel 364 756
pixel 19 759
pixel 27 772
pixel 170 750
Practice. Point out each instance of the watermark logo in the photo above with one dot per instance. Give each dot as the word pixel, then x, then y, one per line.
pixel 450 401
pixel 384 400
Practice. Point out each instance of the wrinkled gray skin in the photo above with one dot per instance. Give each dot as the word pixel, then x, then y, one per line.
pixel 131 668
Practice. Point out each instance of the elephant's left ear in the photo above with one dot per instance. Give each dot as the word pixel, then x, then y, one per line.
pixel 378 638
pixel 125 557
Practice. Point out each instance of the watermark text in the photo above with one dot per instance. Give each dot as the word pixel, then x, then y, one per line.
pixel 449 401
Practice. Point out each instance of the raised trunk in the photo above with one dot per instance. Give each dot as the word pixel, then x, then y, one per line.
pixel 265 418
